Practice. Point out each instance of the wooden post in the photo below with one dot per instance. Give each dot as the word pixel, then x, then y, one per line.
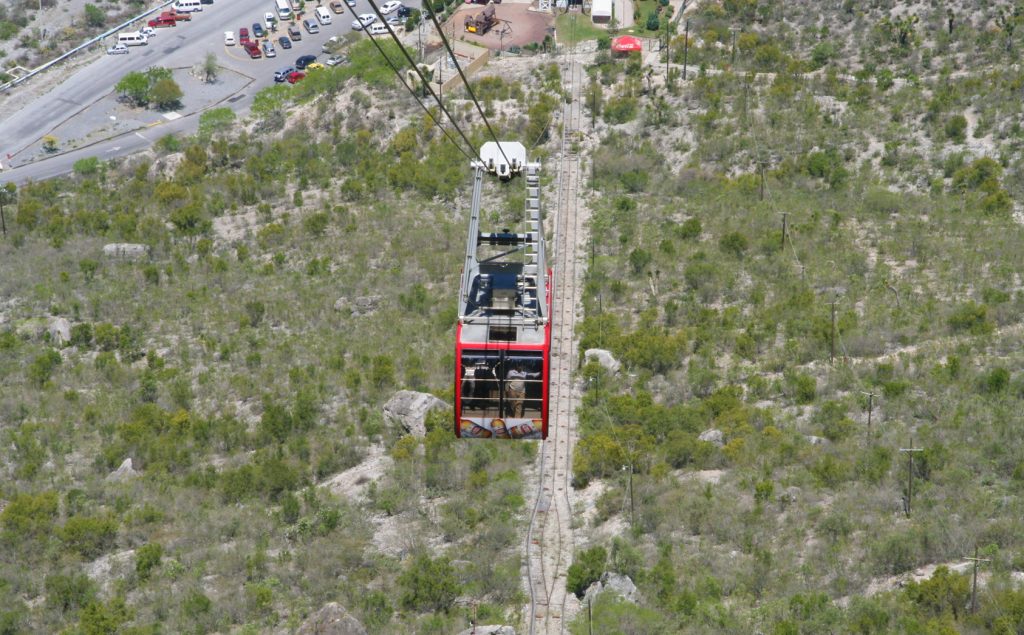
pixel 871 404
pixel 832 342
pixel 910 472
pixel 974 582
pixel 686 47
pixel 785 228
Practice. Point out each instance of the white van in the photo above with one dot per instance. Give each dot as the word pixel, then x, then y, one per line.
pixel 323 15
pixel 188 6
pixel 133 38
pixel 284 10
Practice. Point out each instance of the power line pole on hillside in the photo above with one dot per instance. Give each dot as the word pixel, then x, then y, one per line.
pixel 974 581
pixel 686 47
pixel 910 472
pixel 871 404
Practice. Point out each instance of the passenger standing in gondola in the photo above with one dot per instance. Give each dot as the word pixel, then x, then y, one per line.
pixel 515 388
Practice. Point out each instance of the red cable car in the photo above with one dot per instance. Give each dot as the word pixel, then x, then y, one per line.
pixel 503 338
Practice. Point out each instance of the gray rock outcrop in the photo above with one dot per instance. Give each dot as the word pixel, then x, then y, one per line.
pixel 126 251
pixel 123 473
pixel 409 409
pixel 331 619
pixel 490 629
pixel 620 584
pixel 604 358
pixel 362 305
pixel 59 330
pixel 713 436
pixel 813 440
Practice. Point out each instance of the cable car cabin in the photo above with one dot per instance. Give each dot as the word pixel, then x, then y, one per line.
pixel 503 338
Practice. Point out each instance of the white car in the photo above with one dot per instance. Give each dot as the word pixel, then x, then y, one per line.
pixel 363 20
pixel 148 31
pixel 229 38
pixel 390 6
pixel 351 3
pixel 270 20
pixel 378 29
pixel 118 49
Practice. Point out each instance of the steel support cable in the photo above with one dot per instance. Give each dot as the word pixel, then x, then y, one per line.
pixel 398 73
pixel 419 73
pixel 469 89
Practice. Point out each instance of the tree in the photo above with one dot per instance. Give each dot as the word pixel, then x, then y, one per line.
pixel 134 88
pixel 210 68
pixel 94 16
pixel 50 143
pixel 166 94
pixel 586 569
pixel 428 584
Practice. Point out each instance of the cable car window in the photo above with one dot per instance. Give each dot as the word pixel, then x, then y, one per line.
pixel 503 391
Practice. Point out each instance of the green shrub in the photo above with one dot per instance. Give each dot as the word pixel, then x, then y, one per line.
pixel 147 558
pixel 428 584
pixel 689 229
pixel 68 593
pixel 587 568
pixel 734 243
pixel 802 387
pixel 970 317
pixel 42 366
pixel 956 128
pixel 89 536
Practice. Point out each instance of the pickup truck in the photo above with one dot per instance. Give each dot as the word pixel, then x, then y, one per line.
pixel 174 15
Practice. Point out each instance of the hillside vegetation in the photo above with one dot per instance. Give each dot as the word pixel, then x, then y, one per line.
pixel 762 501
pixel 301 268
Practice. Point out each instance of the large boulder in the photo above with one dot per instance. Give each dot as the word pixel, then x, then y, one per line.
pixel 126 251
pixel 331 619
pixel 604 358
pixel 489 630
pixel 409 409
pixel 713 436
pixel 616 582
pixel 123 473
pixel 59 330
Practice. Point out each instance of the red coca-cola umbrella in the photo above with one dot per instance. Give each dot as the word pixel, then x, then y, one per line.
pixel 627 44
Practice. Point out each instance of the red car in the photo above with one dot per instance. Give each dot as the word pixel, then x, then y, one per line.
pixel 177 17
pixel 253 50
pixel 163 21
pixel 243 36
pixel 295 76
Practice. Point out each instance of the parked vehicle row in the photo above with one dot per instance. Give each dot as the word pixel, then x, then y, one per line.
pixel 180 11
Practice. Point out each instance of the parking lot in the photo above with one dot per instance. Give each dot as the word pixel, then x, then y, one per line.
pixel 71 104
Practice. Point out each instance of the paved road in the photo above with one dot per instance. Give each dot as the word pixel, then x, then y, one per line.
pixel 183 45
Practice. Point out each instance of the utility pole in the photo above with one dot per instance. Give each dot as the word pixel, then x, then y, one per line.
pixel 871 404
pixel 733 59
pixel 686 47
pixel 760 193
pixel 419 37
pixel 910 472
pixel 974 582
pixel 629 467
pixel 832 341
pixel 785 228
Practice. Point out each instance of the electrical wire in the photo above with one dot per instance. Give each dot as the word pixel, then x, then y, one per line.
pixel 426 84
pixel 469 89
pixel 398 73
